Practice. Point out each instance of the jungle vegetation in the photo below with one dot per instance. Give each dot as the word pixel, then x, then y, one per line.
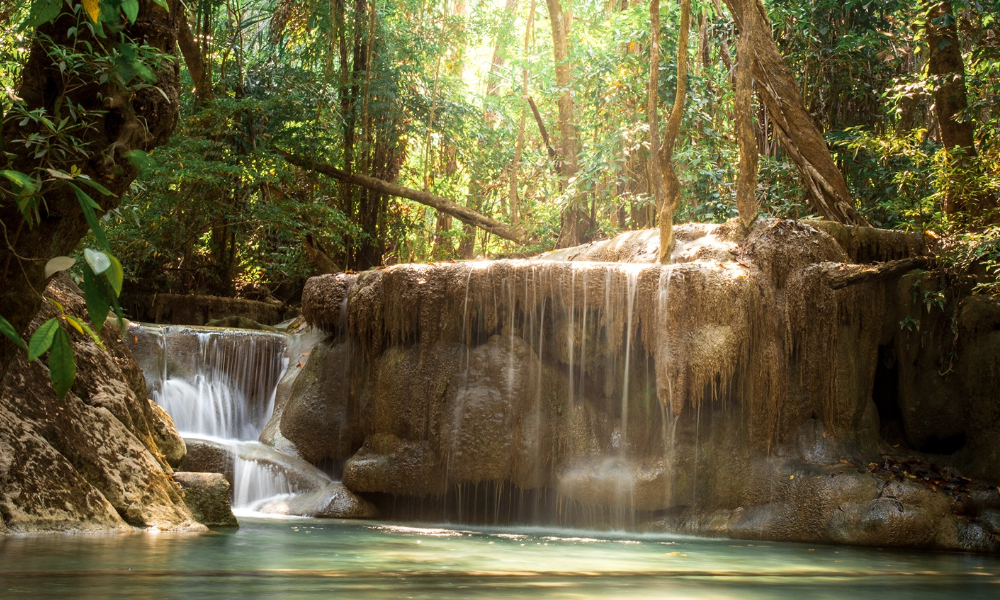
pixel 303 124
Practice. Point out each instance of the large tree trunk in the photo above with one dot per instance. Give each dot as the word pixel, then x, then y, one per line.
pixel 122 121
pixel 514 201
pixel 575 222
pixel 958 131
pixel 796 129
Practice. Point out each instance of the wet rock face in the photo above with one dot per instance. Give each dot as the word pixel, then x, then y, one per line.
pixel 207 495
pixel 204 456
pixel 324 300
pixel 733 391
pixel 317 416
pixel 92 461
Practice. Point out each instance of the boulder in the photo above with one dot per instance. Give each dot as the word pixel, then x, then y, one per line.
pixel 731 392
pixel 189 309
pixel 207 456
pixel 92 461
pixel 207 495
pixel 314 414
pixel 169 442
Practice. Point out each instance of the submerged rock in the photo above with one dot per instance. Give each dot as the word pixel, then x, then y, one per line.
pixel 207 495
pixel 93 461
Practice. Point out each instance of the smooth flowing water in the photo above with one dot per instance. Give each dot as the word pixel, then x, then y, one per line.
pixel 219 386
pixel 306 558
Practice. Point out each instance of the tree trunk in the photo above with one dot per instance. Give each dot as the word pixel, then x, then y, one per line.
pixel 958 131
pixel 514 200
pixel 575 222
pixel 746 183
pixel 122 121
pixel 195 62
pixel 671 184
pixel 796 129
pixel 653 166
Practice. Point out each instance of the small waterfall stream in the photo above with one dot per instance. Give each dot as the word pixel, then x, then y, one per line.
pixel 219 388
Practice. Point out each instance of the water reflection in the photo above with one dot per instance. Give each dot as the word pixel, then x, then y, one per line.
pixel 308 558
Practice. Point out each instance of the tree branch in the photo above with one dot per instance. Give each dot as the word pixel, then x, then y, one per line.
pixel 462 213
pixel 541 128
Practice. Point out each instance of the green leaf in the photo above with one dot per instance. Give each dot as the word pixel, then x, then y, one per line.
pixel 8 330
pixel 41 340
pixel 96 296
pixel 162 4
pixel 131 9
pixel 118 313
pixel 98 261
pixel 100 188
pixel 62 366
pixel 43 11
pixel 23 180
pixel 89 206
pixel 115 275
pixel 59 263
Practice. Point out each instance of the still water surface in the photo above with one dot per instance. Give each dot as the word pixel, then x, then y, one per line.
pixel 306 558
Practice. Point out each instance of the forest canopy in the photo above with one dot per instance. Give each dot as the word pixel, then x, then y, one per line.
pixel 534 115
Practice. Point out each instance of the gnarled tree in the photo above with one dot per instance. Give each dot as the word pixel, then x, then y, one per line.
pixel 795 128
pixel 106 121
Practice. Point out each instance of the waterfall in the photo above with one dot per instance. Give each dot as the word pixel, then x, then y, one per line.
pixel 219 386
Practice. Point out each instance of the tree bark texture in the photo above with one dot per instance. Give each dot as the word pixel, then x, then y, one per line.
pixel 653 166
pixel 796 129
pixel 121 122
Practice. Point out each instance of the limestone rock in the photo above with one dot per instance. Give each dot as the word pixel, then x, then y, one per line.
pixel 331 502
pixel 324 300
pixel 206 456
pixel 238 322
pixel 169 442
pixel 731 392
pixel 207 495
pixel 316 416
pixel 187 309
pixel 91 461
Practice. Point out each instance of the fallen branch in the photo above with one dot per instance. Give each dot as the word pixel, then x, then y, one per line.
pixel 841 275
pixel 462 213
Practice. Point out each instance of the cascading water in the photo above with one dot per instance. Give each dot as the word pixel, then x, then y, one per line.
pixel 220 387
